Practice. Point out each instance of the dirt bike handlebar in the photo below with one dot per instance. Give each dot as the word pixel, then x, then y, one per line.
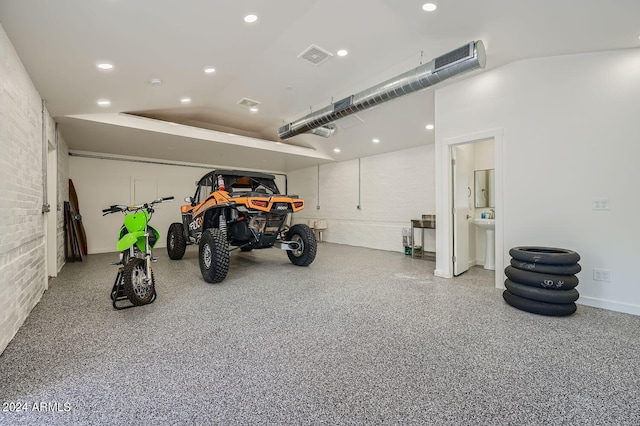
pixel 120 208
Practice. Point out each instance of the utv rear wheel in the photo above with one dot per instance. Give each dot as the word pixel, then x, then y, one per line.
pixel 137 287
pixel 214 256
pixel 306 252
pixel 176 244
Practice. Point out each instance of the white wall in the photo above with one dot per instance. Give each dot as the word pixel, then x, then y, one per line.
pixel 571 133
pixel 62 196
pixel 103 182
pixel 393 188
pixel 22 225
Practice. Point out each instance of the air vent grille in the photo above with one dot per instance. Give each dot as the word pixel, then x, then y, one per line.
pixel 248 102
pixel 315 55
pixel 452 57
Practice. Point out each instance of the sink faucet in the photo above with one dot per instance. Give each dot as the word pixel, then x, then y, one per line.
pixel 492 214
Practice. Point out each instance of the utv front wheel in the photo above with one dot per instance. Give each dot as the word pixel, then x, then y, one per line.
pixel 137 287
pixel 306 252
pixel 214 256
pixel 176 244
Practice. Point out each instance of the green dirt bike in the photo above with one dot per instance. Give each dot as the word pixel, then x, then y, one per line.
pixel 136 240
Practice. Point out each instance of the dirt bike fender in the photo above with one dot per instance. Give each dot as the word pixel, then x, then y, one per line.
pixel 128 240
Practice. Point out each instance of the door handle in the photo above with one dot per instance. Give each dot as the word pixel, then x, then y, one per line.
pixel 468 216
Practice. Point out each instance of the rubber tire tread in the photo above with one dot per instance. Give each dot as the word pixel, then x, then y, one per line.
pixel 536 279
pixel 536 307
pixel 548 255
pixel 542 294
pixel 544 268
pixel 310 245
pixel 128 283
pixel 179 242
pixel 219 267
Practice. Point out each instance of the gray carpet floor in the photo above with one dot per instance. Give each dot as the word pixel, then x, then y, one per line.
pixel 359 337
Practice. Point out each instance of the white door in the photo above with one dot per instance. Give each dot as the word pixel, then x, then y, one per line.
pixel 461 210
pixel 52 215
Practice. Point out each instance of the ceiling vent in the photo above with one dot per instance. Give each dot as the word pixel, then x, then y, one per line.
pixel 315 55
pixel 250 103
pixel 467 58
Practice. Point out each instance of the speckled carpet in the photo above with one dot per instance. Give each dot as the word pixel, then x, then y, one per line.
pixel 359 337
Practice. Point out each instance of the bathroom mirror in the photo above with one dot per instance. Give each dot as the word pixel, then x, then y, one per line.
pixel 484 188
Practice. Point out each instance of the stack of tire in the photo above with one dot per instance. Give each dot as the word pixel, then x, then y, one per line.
pixel 542 280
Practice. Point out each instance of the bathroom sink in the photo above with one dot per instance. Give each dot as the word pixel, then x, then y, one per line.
pixel 488 226
pixel 485 223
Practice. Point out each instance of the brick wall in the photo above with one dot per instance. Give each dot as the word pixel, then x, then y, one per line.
pixel 22 236
pixel 391 189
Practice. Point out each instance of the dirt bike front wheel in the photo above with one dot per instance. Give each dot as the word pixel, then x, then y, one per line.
pixel 138 289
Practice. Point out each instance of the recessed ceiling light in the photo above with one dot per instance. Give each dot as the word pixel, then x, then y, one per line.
pixel 342 52
pixel 104 102
pixel 155 81
pixel 429 7
pixel 375 140
pixel 429 127
pixel 105 66
pixel 209 70
pixel 185 100
pixel 250 18
pixel 253 109
pixel 336 150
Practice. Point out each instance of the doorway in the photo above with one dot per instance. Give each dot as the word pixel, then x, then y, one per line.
pixel 473 186
pixel 446 203
pixel 52 214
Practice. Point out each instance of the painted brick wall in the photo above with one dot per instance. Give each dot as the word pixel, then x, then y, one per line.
pixel 391 189
pixel 22 238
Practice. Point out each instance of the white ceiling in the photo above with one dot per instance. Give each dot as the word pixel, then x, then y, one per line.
pixel 60 43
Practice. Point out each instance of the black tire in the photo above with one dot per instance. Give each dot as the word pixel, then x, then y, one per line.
pixel 213 256
pixel 176 243
pixel 139 291
pixel 548 255
pixel 571 269
pixel 542 294
pixel 304 236
pixel 536 307
pixel 246 249
pixel 536 279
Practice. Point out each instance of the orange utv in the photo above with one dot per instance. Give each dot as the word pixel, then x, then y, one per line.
pixel 243 210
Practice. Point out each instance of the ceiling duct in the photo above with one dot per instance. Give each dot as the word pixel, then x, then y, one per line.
pixel 469 57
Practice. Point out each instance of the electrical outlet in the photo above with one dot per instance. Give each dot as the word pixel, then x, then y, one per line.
pixel 601 275
pixel 601 204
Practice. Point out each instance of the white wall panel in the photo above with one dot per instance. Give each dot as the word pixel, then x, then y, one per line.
pixel 571 133
pixel 391 189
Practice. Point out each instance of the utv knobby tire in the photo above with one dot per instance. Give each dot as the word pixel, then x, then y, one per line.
pixel 570 269
pixel 536 307
pixel 176 243
pixel 138 291
pixel 542 294
pixel 537 279
pixel 548 255
pixel 213 256
pixel 304 236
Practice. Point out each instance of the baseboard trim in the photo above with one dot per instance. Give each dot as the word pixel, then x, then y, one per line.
pixel 609 305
